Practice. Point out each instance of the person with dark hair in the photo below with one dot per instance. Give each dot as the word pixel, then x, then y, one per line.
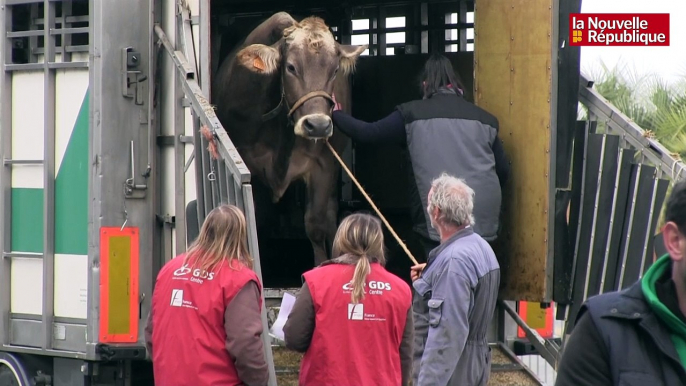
pixel 443 133
pixel 636 336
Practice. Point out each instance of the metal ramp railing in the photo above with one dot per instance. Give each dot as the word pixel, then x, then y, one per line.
pixel 225 180
pixel 620 179
pixel 607 215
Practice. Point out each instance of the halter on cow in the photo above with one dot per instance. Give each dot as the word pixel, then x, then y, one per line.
pixel 293 66
pixel 313 94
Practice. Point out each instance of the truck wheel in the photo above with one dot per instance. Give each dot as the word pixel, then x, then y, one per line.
pixel 7 376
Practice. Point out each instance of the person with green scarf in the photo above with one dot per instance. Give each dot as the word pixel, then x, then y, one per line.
pixel 636 336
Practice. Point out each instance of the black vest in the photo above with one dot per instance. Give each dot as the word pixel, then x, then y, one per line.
pixel 639 345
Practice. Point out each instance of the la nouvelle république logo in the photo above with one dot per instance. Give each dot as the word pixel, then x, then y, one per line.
pixel 619 29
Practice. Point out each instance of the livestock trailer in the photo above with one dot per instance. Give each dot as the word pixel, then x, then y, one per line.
pixel 106 175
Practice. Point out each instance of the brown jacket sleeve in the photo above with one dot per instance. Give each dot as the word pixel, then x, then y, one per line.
pixel 299 327
pixel 243 325
pixel 406 349
pixel 148 333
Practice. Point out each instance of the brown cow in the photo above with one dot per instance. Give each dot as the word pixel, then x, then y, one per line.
pixel 273 96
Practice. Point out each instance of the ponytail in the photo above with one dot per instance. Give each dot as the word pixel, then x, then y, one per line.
pixel 362 269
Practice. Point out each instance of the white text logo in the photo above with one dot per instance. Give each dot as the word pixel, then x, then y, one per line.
pixel 177 298
pixel 355 311
pixel 375 287
pixel 183 270
pixel 198 274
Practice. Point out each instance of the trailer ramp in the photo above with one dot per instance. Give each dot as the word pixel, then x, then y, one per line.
pixel 609 215
pixel 506 367
pixel 225 180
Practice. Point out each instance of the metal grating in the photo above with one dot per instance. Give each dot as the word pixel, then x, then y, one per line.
pixel 222 180
pixel 620 180
pixel 66 32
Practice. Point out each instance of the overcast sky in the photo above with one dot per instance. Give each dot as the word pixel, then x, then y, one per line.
pixel 669 62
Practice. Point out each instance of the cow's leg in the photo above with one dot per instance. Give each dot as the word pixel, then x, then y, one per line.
pixel 321 186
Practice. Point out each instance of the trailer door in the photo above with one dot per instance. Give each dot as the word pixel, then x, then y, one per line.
pixel 78 202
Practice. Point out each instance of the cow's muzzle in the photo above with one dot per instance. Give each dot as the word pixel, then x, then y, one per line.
pixel 317 125
pixel 314 126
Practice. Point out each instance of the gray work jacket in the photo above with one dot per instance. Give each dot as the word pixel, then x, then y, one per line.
pixel 446 133
pixel 453 306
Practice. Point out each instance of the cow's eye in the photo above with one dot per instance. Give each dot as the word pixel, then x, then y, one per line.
pixel 290 68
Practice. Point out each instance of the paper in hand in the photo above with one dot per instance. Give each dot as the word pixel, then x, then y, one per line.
pixel 286 307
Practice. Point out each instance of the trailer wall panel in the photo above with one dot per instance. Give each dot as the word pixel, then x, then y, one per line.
pixel 515 45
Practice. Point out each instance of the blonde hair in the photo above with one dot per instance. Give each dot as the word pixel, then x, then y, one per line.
pixel 360 236
pixel 222 238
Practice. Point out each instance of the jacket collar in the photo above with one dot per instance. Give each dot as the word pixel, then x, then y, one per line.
pixel 631 305
pixel 346 259
pixel 444 91
pixel 468 230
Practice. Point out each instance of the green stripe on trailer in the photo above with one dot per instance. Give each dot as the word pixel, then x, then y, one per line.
pixel 71 200
pixel 71 190
pixel 27 220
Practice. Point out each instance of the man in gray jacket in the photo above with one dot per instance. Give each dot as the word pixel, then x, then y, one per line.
pixel 456 293
pixel 443 132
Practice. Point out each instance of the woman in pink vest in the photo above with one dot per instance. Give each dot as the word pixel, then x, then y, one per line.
pixel 352 318
pixel 206 310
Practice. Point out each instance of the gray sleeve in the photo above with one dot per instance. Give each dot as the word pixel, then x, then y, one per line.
pixel 449 307
pixel 421 327
pixel 406 349
pixel 243 326
pixel 148 333
pixel 299 327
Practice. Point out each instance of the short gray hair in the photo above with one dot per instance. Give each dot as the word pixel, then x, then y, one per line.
pixel 453 198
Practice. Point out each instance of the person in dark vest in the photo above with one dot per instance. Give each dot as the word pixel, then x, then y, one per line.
pixel 443 132
pixel 352 318
pixel 204 326
pixel 636 336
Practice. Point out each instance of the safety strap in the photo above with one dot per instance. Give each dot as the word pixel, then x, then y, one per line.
pixel 275 112
pixel 272 114
pixel 307 97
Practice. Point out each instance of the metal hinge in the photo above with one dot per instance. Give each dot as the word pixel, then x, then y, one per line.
pixel 168 140
pixel 166 219
pixel 132 78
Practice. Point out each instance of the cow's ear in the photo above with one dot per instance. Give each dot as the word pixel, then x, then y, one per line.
pixel 259 58
pixel 349 55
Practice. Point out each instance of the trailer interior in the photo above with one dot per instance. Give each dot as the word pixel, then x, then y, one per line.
pixel 400 36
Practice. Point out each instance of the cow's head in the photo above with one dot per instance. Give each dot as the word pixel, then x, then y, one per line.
pixel 308 59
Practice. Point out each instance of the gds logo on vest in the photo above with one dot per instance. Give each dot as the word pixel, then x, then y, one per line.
pixel 375 287
pixel 198 274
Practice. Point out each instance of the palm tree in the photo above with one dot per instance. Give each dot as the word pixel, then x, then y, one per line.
pixel 657 106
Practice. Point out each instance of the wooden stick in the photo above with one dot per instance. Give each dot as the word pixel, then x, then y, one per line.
pixel 390 228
